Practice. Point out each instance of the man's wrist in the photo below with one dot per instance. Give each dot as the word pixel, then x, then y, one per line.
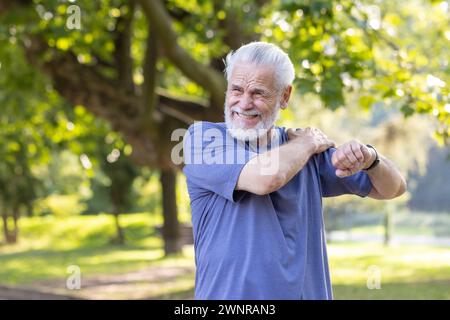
pixel 374 159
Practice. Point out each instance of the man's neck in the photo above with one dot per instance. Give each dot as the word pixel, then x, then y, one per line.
pixel 267 138
pixel 263 141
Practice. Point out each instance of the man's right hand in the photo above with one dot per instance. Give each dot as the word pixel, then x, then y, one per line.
pixel 311 138
pixel 287 160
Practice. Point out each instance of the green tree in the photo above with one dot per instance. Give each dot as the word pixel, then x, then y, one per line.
pixel 24 137
pixel 134 62
pixel 121 172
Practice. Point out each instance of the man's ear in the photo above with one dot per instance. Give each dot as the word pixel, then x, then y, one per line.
pixel 285 97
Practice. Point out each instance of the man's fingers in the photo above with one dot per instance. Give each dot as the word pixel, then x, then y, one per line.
pixel 317 137
pixel 336 159
pixel 342 173
pixel 366 152
pixel 350 156
pixel 292 133
pixel 342 158
pixel 330 143
pixel 357 152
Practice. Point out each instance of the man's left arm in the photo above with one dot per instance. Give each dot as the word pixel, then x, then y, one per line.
pixel 353 156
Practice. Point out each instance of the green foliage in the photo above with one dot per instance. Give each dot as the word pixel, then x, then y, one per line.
pixel 36 124
pixel 26 107
pixel 366 55
pixel 60 205
pixel 379 49
pixel 93 41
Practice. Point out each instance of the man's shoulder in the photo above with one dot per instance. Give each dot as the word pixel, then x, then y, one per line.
pixel 201 133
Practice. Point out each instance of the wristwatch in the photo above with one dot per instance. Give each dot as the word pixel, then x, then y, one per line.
pixel 376 161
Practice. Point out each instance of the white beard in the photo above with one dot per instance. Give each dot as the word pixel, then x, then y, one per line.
pixel 251 134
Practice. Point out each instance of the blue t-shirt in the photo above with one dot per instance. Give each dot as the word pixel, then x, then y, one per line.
pixel 249 246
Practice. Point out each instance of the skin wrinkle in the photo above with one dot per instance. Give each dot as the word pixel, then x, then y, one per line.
pixel 251 90
pixel 260 79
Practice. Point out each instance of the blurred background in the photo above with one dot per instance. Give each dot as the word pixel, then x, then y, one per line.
pixel 92 206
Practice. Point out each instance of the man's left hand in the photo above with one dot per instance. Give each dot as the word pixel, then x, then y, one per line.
pixel 352 157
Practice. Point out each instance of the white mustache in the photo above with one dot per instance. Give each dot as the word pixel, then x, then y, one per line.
pixel 247 113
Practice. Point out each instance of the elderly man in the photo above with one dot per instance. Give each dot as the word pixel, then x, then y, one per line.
pixel 256 189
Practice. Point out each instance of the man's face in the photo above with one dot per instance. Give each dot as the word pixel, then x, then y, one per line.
pixel 252 101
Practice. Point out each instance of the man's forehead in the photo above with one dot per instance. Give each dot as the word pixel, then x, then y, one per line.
pixel 251 72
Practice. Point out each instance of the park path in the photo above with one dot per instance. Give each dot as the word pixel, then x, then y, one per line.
pixel 15 293
pixel 149 283
pixel 397 239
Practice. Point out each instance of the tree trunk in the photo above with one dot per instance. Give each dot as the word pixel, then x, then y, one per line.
pixel 120 237
pixel 29 208
pixel 388 226
pixel 5 226
pixel 170 230
pixel 15 232
pixel 10 235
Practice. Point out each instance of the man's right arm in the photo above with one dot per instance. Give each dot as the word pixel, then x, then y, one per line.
pixel 286 161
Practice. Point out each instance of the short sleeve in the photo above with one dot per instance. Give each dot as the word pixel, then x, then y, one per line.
pixel 358 184
pixel 213 161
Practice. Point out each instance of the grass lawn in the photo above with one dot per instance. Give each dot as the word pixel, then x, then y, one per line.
pixel 48 245
pixel 405 272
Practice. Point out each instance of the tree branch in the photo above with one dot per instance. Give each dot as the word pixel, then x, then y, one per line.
pixel 85 85
pixel 185 110
pixel 8 5
pixel 205 76
pixel 122 54
pixel 150 98
pixel 176 13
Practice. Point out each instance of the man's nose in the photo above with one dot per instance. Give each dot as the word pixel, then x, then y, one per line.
pixel 246 102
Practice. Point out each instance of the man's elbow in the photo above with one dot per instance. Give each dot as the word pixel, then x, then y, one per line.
pixel 400 191
pixel 386 194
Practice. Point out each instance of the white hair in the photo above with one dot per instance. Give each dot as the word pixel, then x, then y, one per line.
pixel 263 54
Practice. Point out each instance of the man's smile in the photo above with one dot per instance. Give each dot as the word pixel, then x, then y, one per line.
pixel 245 116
